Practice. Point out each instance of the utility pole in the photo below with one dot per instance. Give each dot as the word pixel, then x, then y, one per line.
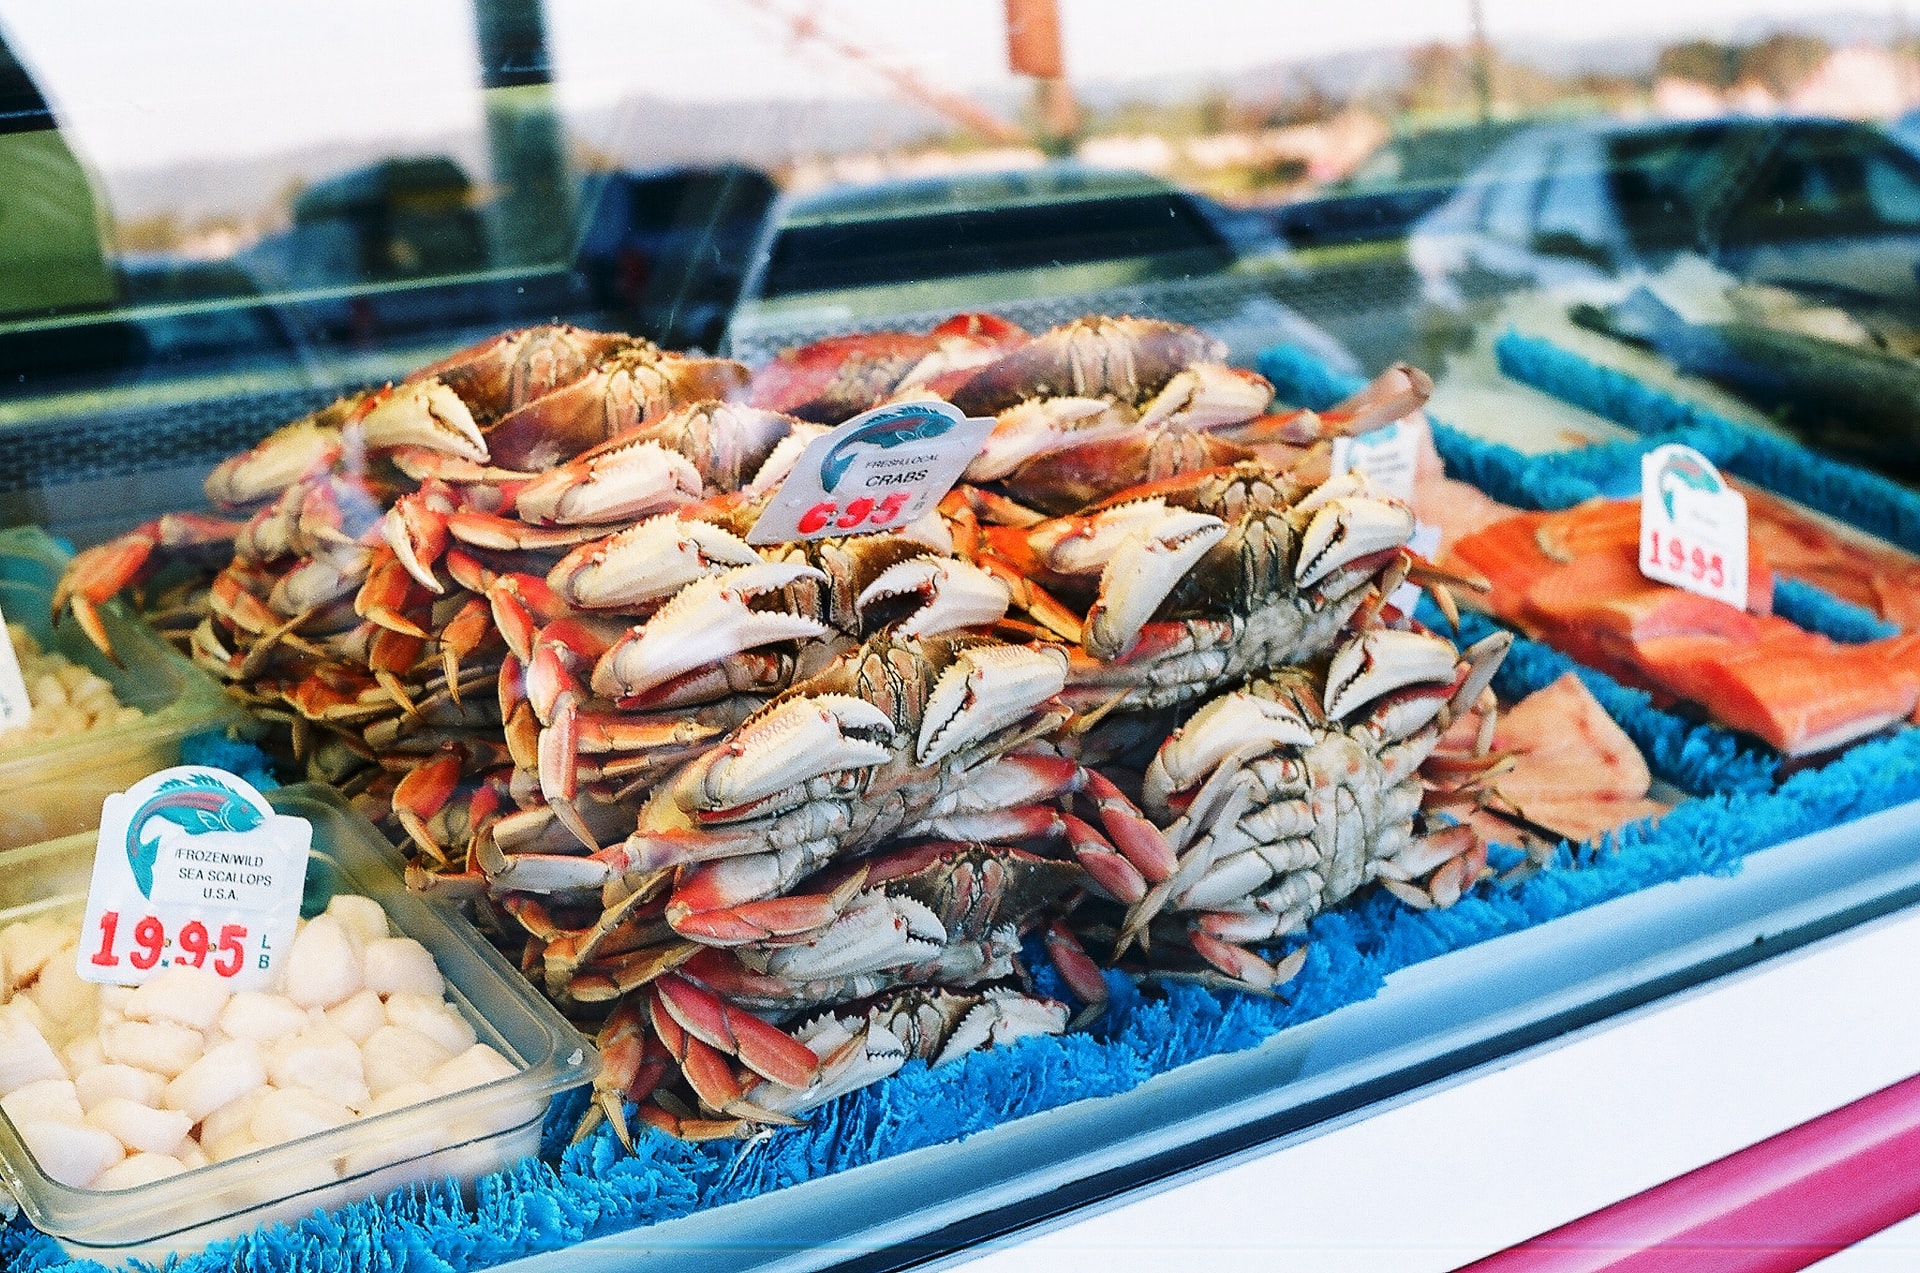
pixel 1034 47
pixel 532 207
pixel 1482 62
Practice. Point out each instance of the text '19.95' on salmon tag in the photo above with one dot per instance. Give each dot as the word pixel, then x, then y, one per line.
pixel 1693 526
pixel 878 471
pixel 193 867
pixel 15 707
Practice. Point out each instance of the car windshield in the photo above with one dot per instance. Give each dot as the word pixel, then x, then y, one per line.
pixel 1826 181
pixel 1664 182
pixel 844 254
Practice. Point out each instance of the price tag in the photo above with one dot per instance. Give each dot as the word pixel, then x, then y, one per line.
pixel 1426 542
pixel 877 471
pixel 15 706
pixel 193 866
pixel 1693 526
pixel 1390 457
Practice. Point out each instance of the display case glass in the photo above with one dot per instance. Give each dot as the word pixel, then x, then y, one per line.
pixel 997 605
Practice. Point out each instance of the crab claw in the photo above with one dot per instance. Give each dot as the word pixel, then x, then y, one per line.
pixel 619 481
pixel 646 563
pixel 416 529
pixel 1207 395
pixel 792 742
pixel 954 595
pixel 1224 730
pixel 424 413
pixel 704 1066
pixel 426 790
pixel 282 459
pixel 1393 393
pixel 768 1051
pixel 95 575
pixel 1243 965
pixel 708 621
pixel 1142 571
pixel 1345 529
pixel 1000 1017
pixel 1483 659
pixel 1381 660
pixel 985 689
pixel 629 1071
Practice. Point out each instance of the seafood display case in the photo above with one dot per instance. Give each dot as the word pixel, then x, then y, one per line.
pixel 913 716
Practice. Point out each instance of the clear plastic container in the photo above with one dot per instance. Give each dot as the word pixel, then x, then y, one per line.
pixel 492 1126
pixel 54 788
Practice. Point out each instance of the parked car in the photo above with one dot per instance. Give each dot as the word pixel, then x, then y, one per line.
pixel 1040 246
pixel 1825 203
pixel 666 251
pixel 1393 188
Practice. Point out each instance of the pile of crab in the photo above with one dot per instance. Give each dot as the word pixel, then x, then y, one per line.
pixel 775 821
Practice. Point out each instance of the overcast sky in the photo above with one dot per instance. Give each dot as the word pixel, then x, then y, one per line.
pixel 144 84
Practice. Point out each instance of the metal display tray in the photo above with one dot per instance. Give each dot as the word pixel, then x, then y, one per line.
pixel 1431 1024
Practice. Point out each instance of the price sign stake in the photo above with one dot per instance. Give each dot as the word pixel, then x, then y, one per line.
pixel 15 706
pixel 876 472
pixel 1693 526
pixel 193 867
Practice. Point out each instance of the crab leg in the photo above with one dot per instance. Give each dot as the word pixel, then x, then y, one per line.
pixel 768 1051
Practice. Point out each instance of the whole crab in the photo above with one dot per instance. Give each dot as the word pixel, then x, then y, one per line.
pixel 1285 797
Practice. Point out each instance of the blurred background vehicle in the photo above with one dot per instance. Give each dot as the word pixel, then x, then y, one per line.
pixel 1039 246
pixel 670 248
pixel 1827 203
pixel 182 275
pixel 1395 186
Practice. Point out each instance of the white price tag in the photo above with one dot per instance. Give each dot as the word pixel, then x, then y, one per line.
pixel 1390 457
pixel 15 706
pixel 1693 526
pixel 1425 541
pixel 193 866
pixel 877 471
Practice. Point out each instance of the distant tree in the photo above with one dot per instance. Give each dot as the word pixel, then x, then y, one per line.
pixel 1701 61
pixel 1438 78
pixel 1782 61
pixel 160 232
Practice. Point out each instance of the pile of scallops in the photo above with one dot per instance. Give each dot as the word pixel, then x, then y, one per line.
pixel 112 1087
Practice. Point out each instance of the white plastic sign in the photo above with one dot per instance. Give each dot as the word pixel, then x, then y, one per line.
pixel 1693 526
pixel 15 706
pixel 1390 456
pixel 193 867
pixel 878 471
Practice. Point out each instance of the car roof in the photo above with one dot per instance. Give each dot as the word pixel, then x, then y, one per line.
pixel 924 196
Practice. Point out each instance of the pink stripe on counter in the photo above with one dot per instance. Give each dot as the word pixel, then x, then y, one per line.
pixel 1773 1207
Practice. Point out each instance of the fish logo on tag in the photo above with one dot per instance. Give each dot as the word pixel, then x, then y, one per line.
pixel 892 429
pixel 1682 468
pixel 197 803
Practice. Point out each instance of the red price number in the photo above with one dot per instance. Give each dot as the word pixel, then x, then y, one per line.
pixel 858 512
pixel 1677 555
pixel 191 945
